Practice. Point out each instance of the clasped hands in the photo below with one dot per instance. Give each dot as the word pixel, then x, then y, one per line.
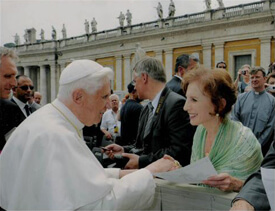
pixel 167 163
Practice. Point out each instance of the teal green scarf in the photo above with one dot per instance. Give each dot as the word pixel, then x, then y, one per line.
pixel 235 151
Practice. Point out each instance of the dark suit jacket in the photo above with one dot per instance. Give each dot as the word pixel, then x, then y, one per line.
pixel 10 116
pixel 171 132
pixel 175 85
pixel 253 190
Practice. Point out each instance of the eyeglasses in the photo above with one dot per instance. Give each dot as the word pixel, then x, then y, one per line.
pixel 26 87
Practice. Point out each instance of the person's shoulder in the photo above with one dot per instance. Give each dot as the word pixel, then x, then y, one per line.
pixel 271 98
pixel 9 106
pixel 5 102
pixel 243 96
pixel 175 97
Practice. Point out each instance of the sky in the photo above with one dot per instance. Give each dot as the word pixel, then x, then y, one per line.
pixel 18 15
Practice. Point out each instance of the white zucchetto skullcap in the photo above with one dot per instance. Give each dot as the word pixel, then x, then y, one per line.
pixel 79 69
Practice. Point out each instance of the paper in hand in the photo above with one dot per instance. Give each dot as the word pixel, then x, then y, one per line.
pixel 193 173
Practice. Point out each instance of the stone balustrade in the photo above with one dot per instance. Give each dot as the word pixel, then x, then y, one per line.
pixel 209 15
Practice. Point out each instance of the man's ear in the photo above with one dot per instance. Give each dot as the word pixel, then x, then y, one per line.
pixel 181 70
pixel 144 77
pixel 78 96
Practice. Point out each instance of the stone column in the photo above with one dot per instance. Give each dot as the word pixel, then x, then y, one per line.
pixel 27 70
pixel 127 71
pixel 118 75
pixel 169 64
pixel 207 55
pixel 43 85
pixel 53 81
pixel 219 52
pixel 159 55
pixel 265 52
pixel 62 67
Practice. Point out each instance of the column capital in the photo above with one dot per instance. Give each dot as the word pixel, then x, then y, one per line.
pixel 118 57
pixel 168 51
pixel 265 39
pixel 128 56
pixel 219 44
pixel 207 46
pixel 158 52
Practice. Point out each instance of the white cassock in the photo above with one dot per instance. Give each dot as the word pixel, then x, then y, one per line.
pixel 46 165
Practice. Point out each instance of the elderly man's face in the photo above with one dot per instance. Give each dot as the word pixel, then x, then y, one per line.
pixel 114 103
pixel 8 72
pixel 95 105
pixel 37 97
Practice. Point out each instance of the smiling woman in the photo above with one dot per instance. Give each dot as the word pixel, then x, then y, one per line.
pixel 232 148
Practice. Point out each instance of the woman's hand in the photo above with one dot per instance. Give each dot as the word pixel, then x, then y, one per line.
pixel 241 205
pixel 224 182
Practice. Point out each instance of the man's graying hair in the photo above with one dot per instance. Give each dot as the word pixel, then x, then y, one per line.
pixel 183 61
pixel 256 69
pixel 7 52
pixel 151 66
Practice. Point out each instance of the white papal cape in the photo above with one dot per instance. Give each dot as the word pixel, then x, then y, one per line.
pixel 46 165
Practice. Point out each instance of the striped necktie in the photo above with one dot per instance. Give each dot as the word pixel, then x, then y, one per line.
pixel 149 120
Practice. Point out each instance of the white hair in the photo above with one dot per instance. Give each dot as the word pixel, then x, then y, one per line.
pixel 89 84
pixel 7 52
pixel 114 95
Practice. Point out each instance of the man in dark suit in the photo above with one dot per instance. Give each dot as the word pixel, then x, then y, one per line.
pixel 10 117
pixel 253 196
pixel 23 93
pixel 10 114
pixel 164 127
pixel 129 117
pixel 184 63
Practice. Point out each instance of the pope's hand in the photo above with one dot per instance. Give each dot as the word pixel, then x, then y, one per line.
pixel 167 163
pixel 113 149
pixel 241 205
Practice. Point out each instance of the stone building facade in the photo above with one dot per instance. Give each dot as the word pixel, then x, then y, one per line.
pixel 237 35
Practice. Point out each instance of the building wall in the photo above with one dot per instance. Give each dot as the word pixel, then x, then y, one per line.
pixel 213 35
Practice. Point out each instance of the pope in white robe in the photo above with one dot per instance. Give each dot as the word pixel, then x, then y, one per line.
pixel 46 164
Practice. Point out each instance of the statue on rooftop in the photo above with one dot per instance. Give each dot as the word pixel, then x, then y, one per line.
pixel 17 39
pixel 64 31
pixel 172 9
pixel 53 33
pixel 129 18
pixel 139 54
pixel 87 26
pixel 94 25
pixel 121 18
pixel 221 5
pixel 26 36
pixel 208 4
pixel 42 35
pixel 160 11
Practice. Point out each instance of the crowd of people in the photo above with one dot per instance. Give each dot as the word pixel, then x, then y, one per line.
pixel 158 127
